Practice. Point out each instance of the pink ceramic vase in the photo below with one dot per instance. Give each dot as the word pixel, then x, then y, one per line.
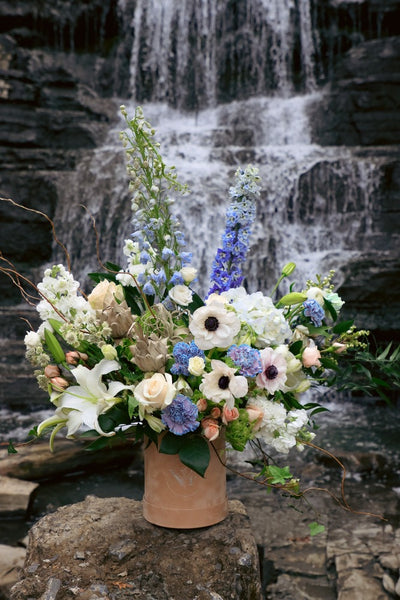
pixel 177 497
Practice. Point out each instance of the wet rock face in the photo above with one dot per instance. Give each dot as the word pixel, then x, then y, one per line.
pixel 362 105
pixel 58 65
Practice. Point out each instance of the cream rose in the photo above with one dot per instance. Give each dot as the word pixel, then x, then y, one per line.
pixel 104 293
pixel 181 295
pixel 196 365
pixel 155 393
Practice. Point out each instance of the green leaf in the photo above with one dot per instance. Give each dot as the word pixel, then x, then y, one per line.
pixel 331 309
pixel 296 347
pixel 343 326
pixel 97 277
pixel 170 444
pixel 196 302
pixel 132 405
pixel 53 346
pixel 316 528
pixel 98 444
pixel 386 351
pixel 279 474
pixel 11 448
pixel 195 454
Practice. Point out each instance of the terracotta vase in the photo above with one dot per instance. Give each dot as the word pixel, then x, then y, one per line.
pixel 177 497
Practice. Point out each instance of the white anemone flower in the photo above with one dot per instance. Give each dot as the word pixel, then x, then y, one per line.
pixel 83 404
pixel 222 384
pixel 213 326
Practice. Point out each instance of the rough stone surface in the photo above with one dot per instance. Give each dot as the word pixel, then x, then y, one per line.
pixel 103 548
pixel 15 494
pixel 11 562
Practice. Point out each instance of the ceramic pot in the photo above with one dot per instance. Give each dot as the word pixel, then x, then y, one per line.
pixel 177 497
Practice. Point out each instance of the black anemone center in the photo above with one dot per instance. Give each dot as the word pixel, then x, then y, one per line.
pixel 211 323
pixel 223 382
pixel 271 372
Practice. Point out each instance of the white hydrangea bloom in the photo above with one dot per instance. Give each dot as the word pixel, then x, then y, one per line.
pixel 278 428
pixel 259 312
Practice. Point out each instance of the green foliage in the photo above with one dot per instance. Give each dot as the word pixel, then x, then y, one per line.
pixel 316 528
pixel 54 347
pixel 11 448
pixel 240 431
pixel 371 373
pixel 193 450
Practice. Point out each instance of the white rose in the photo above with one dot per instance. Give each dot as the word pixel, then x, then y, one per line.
pixel 156 392
pixel 196 365
pixel 315 293
pixel 181 294
pixel 188 274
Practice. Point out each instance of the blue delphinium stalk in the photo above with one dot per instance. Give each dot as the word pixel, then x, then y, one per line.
pixel 155 230
pixel 182 353
pixel 226 270
pixel 313 310
pixel 181 415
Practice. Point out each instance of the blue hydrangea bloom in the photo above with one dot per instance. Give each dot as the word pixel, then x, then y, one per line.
pixel 315 311
pixel 226 270
pixel 180 416
pixel 247 359
pixel 182 353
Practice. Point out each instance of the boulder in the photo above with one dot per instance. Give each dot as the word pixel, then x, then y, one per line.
pixel 104 548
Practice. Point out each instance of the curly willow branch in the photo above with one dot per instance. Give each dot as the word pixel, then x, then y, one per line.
pixel 342 503
pixel 53 229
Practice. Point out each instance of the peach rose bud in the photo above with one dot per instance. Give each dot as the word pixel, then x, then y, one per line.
pixel 59 383
pixel 202 404
pixel 210 429
pixel 215 412
pixel 311 356
pixel 52 371
pixel 229 414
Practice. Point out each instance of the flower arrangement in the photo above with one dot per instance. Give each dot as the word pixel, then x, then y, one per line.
pixel 144 354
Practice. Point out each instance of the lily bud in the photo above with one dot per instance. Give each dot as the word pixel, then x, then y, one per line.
pixel 288 269
pixel 52 371
pixel 59 383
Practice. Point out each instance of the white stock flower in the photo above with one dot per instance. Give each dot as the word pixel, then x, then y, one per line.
pixel 213 326
pixel 32 339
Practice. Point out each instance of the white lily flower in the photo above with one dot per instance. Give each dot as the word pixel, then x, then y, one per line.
pixel 91 398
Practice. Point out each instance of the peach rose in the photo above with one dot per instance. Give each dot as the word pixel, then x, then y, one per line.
pixel 311 356
pixel 215 412
pixel 255 415
pixel 229 414
pixel 156 392
pixel 202 404
pixel 210 428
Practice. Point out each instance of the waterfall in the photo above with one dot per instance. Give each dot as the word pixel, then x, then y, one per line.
pixel 315 200
pixel 196 53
